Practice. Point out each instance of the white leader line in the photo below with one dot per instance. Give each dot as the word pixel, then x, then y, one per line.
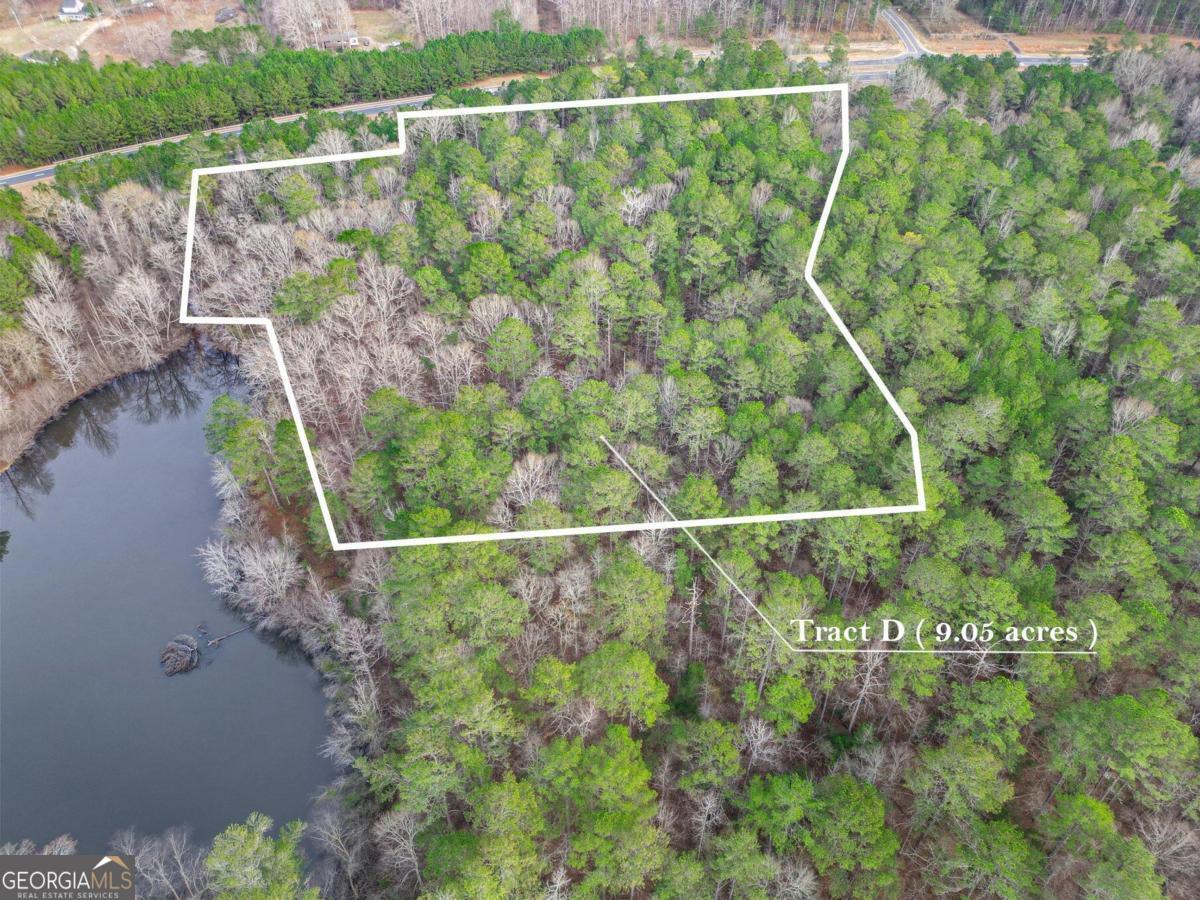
pixel 682 526
pixel 337 544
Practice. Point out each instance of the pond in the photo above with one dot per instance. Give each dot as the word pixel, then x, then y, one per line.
pixel 100 524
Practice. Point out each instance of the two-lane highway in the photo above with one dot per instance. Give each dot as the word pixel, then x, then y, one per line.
pixel 367 108
pixel 913 47
pixel 861 70
pixel 908 37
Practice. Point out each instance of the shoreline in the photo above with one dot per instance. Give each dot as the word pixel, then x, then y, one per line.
pixel 135 409
pixel 46 399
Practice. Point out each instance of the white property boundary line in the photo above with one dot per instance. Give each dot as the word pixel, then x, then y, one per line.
pixel 264 322
pixel 685 525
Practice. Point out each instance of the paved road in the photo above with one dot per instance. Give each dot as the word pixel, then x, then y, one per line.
pixel 369 108
pixel 913 47
pixel 912 44
pixel 861 70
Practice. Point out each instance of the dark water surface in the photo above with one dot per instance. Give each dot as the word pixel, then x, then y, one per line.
pixel 99 572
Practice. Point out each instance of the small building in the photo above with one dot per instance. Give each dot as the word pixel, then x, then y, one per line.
pixel 226 14
pixel 339 40
pixel 74 11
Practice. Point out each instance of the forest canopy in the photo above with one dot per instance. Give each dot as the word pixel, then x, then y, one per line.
pixel 1017 252
pixel 526 304
pixel 1016 249
pixel 67 108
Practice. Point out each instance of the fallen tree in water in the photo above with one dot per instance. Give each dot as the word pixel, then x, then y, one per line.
pixel 216 642
pixel 182 654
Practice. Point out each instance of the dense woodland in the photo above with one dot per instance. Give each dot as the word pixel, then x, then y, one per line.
pixel 1016 251
pixel 486 318
pixel 626 19
pixel 604 716
pixel 62 108
pixel 56 108
pixel 1171 16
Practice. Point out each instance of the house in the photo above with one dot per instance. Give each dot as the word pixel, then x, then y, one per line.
pixel 74 11
pixel 339 40
pixel 226 14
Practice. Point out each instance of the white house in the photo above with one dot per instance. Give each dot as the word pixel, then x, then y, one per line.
pixel 73 11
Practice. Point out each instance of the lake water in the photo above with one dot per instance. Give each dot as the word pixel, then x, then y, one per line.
pixel 103 519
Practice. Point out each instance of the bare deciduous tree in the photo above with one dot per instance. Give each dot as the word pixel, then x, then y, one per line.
pixel 707 817
pixel 395 835
pixel 168 865
pixel 913 84
pixel 1127 412
pixel 1175 844
pixel 20 356
pixel 138 316
pixel 454 366
pixel 796 881
pixel 342 836
pixel 759 744
pixel 57 323
pixel 63 845
pixel 533 477
pixel 485 313
pixel 303 23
